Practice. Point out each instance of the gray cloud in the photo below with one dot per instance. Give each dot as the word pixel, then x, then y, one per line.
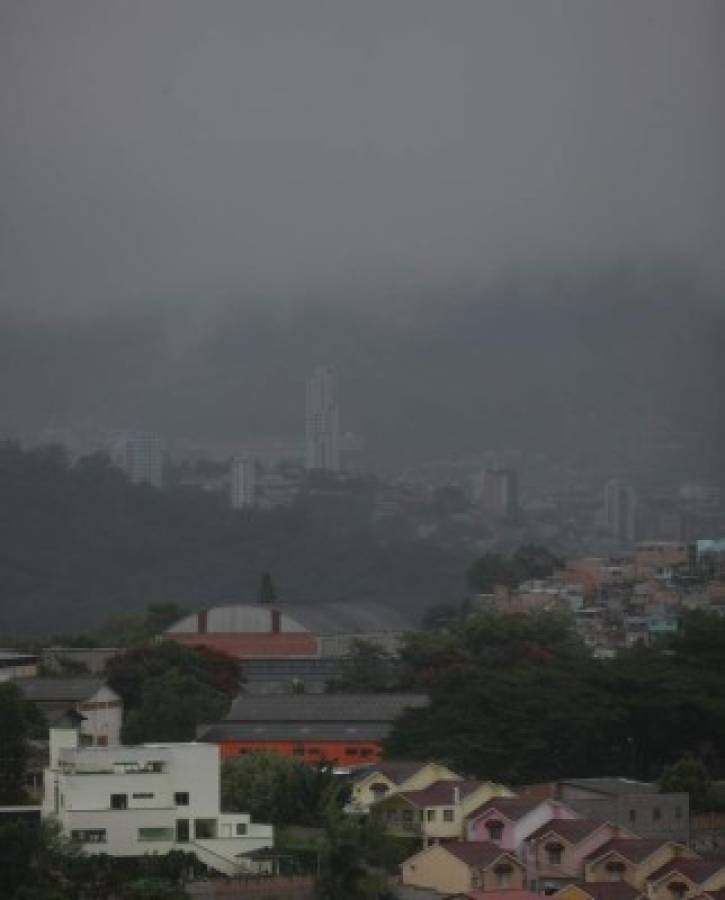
pixel 175 150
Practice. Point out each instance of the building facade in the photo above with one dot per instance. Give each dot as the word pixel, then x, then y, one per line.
pixel 153 798
pixel 322 421
pixel 243 483
pixel 142 459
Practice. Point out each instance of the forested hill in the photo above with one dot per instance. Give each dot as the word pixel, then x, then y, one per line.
pixel 79 543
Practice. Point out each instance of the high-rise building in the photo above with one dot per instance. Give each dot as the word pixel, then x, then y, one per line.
pixel 620 511
pixel 322 421
pixel 142 459
pixel 499 492
pixel 244 485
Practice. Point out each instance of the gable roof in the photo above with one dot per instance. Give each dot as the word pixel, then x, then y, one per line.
pixel 571 830
pixel 476 853
pixel 59 690
pixel 697 870
pixel 440 793
pixel 397 770
pixel 607 890
pixel 634 850
pixel 719 894
pixel 322 707
pixel 511 808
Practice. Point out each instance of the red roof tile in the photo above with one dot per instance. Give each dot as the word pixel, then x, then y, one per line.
pixel 475 853
pixel 511 808
pixel 632 849
pixel 697 870
pixel 608 890
pixel 440 793
pixel 571 830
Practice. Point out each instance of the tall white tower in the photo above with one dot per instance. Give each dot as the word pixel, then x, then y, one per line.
pixel 620 511
pixel 142 458
pixel 243 483
pixel 322 421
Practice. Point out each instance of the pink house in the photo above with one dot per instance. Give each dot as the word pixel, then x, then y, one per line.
pixel 556 853
pixel 508 821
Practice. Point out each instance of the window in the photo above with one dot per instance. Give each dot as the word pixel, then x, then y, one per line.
pixel 102 740
pixel 503 875
pixel 430 815
pixel 89 836
pixel 119 801
pixel 677 890
pixel 656 814
pixel 181 798
pixel 495 829
pixel 241 828
pixel 553 852
pixel 448 815
pixel 204 829
pixel 142 796
pixel 366 751
pixel 678 812
pixel 351 751
pixel 633 815
pixel 615 870
pixel 378 789
pixel 156 834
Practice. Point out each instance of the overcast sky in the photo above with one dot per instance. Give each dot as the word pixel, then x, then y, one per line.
pixel 178 149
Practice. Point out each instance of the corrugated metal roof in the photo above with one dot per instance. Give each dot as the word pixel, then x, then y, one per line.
pixel 322 707
pixel 59 690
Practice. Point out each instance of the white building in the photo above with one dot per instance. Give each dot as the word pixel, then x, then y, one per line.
pixel 142 459
pixel 322 421
pixel 244 486
pixel 14 665
pixel 153 798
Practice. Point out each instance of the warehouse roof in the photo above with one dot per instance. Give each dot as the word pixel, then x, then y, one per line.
pixel 323 707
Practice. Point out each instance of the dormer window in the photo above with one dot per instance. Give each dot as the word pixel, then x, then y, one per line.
pixel 615 870
pixel 553 853
pixel 379 789
pixel 678 890
pixel 495 829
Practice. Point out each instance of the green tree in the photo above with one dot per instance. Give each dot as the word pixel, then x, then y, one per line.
pixel 277 789
pixel 690 776
pixel 367 669
pixel 13 744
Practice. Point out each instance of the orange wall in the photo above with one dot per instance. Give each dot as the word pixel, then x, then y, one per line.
pixel 340 752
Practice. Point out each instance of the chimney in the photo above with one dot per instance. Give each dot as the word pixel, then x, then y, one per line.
pixel 201 621
pixel 456 795
pixel 276 621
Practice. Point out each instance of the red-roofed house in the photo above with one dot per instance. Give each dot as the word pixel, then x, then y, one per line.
pixel 436 812
pixel 632 859
pixel 556 852
pixel 508 821
pixel 684 878
pixel 455 867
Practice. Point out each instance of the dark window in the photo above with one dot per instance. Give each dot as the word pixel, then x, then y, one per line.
pixel 678 812
pixel 142 796
pixel 89 836
pixel 430 815
pixel 102 740
pixel 615 870
pixel 633 815
pixel 656 814
pixel 553 852
pixel 503 875
pixel 241 828
pixel 181 798
pixel 677 889
pixel 119 801
pixel 495 829
pixel 204 829
pixel 182 830
pixel 448 815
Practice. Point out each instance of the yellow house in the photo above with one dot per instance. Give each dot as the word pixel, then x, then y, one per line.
pixel 438 811
pixel 392 777
pixel 456 867
pixel 600 890
pixel 684 878
pixel 632 859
